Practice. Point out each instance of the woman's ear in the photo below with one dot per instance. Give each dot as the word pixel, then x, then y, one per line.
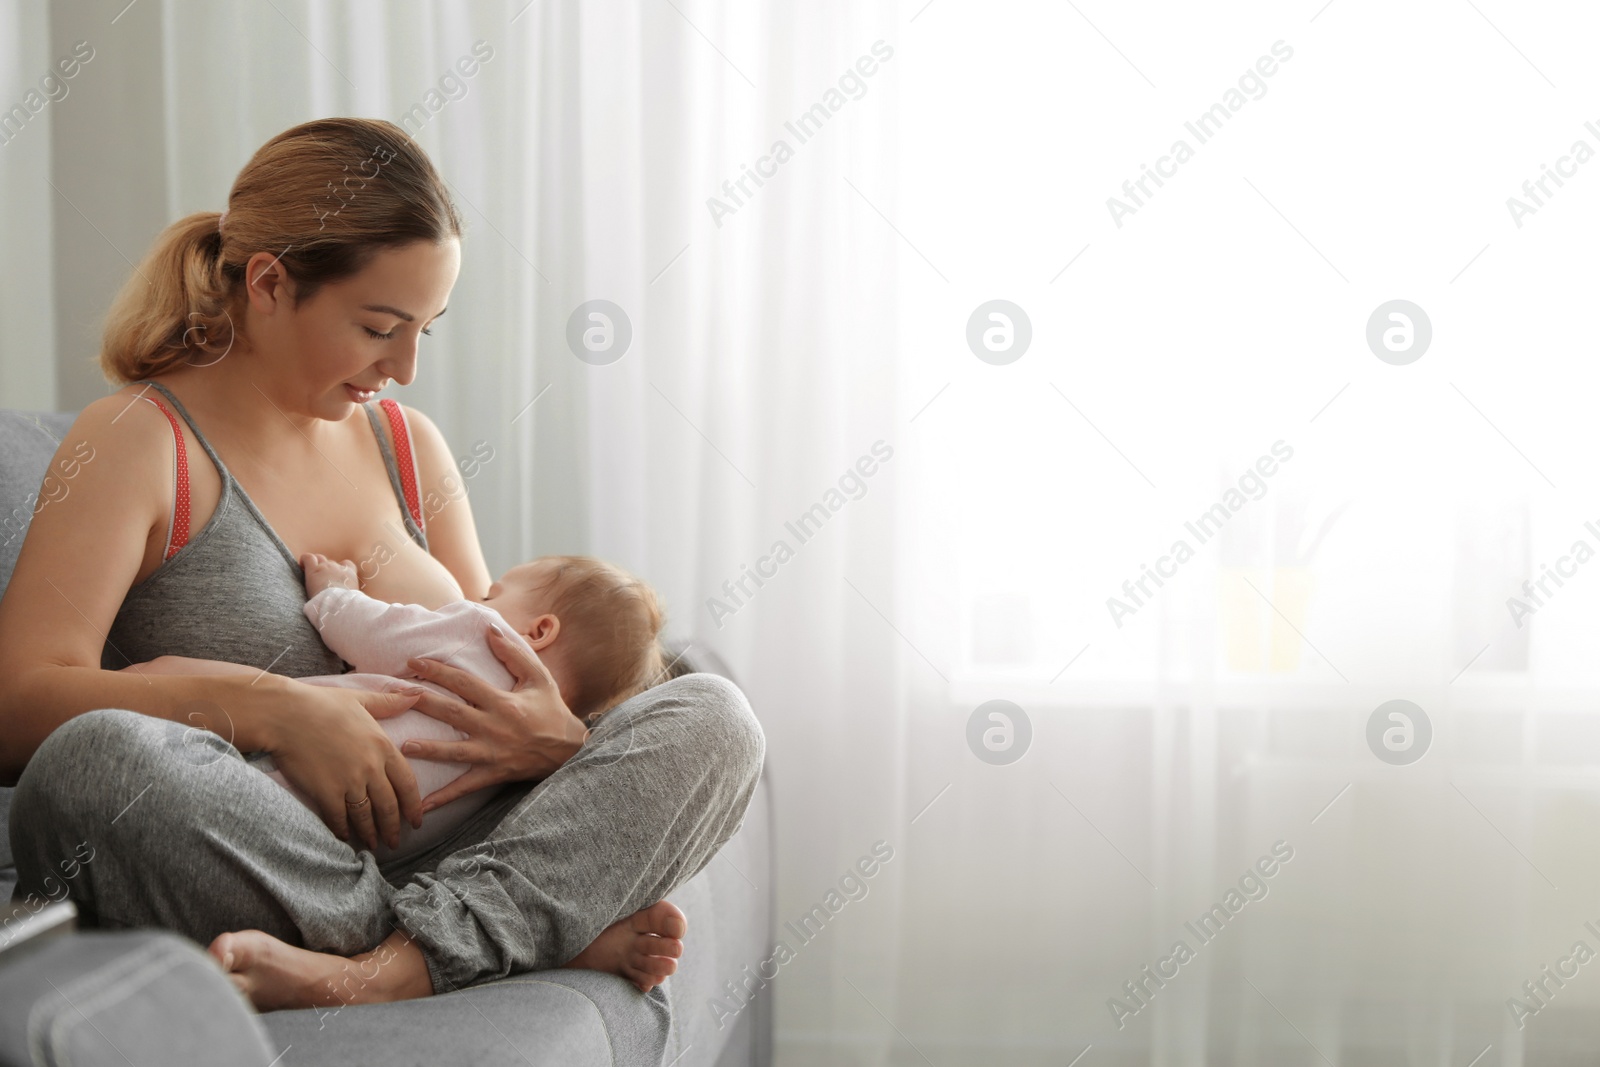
pixel 267 286
pixel 543 632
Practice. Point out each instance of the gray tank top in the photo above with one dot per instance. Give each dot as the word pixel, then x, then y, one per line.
pixel 234 592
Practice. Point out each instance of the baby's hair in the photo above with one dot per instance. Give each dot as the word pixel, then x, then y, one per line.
pixel 616 621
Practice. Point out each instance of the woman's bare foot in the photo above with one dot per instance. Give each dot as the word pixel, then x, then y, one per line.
pixel 643 948
pixel 275 975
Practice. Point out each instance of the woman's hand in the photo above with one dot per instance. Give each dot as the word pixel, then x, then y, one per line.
pixel 327 741
pixel 512 736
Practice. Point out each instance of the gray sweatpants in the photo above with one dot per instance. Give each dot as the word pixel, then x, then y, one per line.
pixel 187 835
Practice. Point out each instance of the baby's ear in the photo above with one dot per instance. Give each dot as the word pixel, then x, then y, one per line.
pixel 542 633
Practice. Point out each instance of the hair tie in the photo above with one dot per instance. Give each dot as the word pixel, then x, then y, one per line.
pixel 221 219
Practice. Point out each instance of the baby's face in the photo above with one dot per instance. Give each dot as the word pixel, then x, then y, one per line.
pixel 522 594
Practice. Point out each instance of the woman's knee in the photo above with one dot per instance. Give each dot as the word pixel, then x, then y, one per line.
pixel 727 724
pixel 80 768
pixel 704 713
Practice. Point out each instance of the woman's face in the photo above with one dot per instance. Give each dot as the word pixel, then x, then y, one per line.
pixel 356 335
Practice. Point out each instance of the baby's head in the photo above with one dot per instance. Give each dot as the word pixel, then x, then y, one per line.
pixel 594 625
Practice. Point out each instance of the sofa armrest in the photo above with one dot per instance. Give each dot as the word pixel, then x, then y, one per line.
pixel 135 996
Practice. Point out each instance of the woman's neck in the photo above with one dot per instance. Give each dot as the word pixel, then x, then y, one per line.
pixel 244 403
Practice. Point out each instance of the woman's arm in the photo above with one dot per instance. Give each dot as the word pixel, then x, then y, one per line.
pixel 452 534
pixel 83 552
pixel 171 666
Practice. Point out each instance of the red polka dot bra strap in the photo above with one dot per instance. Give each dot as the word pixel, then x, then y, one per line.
pixel 405 458
pixel 178 532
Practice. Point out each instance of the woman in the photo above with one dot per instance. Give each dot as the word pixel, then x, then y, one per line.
pixel 252 343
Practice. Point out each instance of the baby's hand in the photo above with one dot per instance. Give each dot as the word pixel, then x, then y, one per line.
pixel 322 572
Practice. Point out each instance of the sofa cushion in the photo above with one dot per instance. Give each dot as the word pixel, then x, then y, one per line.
pixel 27 441
pixel 141 997
pixel 575 1018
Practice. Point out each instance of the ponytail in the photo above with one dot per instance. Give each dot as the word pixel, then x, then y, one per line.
pixel 173 310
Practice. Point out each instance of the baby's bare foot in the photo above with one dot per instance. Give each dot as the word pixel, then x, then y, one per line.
pixel 275 975
pixel 642 948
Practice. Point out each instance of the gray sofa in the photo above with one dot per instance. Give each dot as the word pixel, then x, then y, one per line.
pixel 99 997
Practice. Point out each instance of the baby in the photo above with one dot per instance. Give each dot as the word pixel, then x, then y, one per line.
pixel 592 624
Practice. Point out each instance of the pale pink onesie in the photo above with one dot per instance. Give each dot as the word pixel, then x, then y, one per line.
pixel 377 639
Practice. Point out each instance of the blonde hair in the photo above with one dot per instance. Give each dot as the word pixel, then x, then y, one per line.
pixel 323 197
pixel 616 621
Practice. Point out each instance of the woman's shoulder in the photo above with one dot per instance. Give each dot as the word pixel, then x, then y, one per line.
pixel 425 438
pixel 123 435
pixel 126 414
pixel 113 408
pixel 422 428
pixel 435 464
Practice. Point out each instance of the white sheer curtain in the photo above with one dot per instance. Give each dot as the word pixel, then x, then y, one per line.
pixel 27 375
pixel 1173 747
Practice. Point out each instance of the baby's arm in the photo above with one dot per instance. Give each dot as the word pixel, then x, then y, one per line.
pixel 378 638
pixel 321 572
